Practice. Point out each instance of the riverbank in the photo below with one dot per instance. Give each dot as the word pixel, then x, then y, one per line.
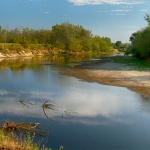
pixel 107 71
pixel 15 50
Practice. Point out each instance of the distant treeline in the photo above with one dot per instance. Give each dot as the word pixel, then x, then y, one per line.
pixel 65 36
pixel 140 41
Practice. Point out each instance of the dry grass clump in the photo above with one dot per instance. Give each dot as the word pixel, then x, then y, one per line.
pixel 10 141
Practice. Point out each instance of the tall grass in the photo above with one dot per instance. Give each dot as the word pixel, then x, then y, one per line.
pixel 10 141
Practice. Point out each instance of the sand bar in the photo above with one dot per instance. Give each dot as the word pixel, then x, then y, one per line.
pixel 115 74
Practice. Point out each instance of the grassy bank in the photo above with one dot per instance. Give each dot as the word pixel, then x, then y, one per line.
pixel 16 49
pixel 132 61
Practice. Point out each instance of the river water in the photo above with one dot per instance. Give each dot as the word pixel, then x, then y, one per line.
pixel 84 115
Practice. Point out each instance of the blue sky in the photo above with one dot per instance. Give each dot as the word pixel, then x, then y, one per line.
pixel 116 19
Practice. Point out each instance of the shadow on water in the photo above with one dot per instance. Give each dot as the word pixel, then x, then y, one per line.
pixel 122 63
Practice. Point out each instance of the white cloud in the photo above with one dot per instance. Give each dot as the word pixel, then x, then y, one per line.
pixel 119 14
pixel 111 2
pixel 121 10
pixel 114 11
pixel 135 27
pixel 3 92
pixel 102 11
pixel 46 12
pixel 34 0
pixel 144 10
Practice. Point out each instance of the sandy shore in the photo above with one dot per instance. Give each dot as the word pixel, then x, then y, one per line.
pixel 110 73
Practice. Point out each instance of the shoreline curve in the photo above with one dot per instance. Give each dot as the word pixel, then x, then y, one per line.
pixel 115 74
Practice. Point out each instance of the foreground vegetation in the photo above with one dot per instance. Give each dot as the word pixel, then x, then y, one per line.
pixel 10 141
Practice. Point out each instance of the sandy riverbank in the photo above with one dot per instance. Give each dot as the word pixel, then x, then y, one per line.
pixel 115 74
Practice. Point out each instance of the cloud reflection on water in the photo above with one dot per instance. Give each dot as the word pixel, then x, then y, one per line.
pixel 83 104
pixel 86 101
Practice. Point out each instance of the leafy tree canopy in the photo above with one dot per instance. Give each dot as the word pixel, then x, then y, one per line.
pixel 64 36
pixel 140 41
pixel 147 18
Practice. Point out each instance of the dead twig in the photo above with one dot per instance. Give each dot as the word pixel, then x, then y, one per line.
pixel 48 106
pixel 24 102
pixel 45 113
pixel 67 112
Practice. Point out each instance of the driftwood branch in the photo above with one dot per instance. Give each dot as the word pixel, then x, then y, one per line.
pixel 22 127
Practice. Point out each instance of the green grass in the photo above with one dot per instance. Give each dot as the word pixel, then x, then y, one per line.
pixel 132 61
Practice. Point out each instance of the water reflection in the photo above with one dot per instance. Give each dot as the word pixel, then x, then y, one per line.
pixel 88 99
pixel 96 112
pixel 23 63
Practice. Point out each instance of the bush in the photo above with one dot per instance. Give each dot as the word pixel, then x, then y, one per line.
pixel 141 44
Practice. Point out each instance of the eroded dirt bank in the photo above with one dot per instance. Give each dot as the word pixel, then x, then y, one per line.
pixel 110 73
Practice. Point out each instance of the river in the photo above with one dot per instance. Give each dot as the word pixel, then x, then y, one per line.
pixel 85 115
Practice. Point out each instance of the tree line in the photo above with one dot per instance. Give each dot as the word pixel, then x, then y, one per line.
pixel 140 41
pixel 65 36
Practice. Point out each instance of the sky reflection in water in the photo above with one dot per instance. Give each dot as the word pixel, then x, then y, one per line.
pixel 96 111
pixel 87 99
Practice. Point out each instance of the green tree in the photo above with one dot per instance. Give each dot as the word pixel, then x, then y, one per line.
pixel 70 37
pixel 140 41
pixel 118 44
pixel 0 33
pixel 108 40
pixel 5 34
pixel 147 18
pixel 64 36
pixel 100 44
pixel 14 36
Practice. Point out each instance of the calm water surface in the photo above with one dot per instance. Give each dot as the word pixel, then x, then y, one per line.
pixel 86 116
